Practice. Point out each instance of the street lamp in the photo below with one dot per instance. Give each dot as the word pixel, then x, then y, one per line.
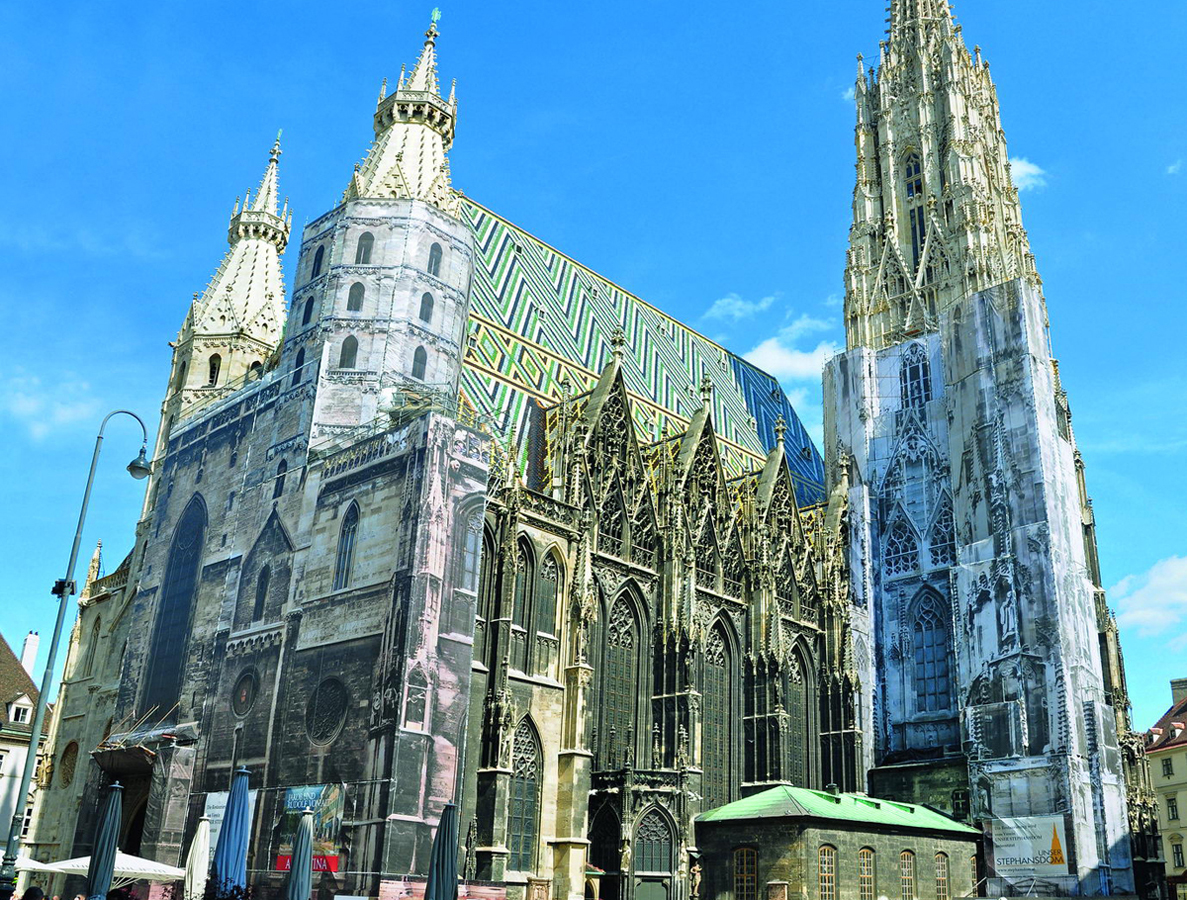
pixel 138 468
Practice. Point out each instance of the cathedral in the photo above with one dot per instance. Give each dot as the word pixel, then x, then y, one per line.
pixel 457 520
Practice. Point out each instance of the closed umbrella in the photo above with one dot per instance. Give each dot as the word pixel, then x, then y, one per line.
pixel 442 884
pixel 298 884
pixel 102 864
pixel 197 861
pixel 229 869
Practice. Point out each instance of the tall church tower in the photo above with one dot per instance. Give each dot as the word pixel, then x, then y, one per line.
pixel 971 557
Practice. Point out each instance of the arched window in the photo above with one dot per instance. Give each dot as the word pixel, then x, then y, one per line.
pixel 417 700
pixel 620 682
pixel 426 307
pixel 318 258
pixel 181 373
pixel 524 807
pixel 547 594
pixel 902 549
pixel 88 666
pixel 262 582
pixel 865 874
pixel 216 364
pixel 307 315
pixel 942 890
pixel 913 197
pixel 354 300
pixel 162 681
pixel 745 874
pixel 717 729
pixel 435 260
pixel 298 367
pixel 486 592
pixel 525 575
pixel 827 867
pixel 282 468
pixel 68 764
pixel 605 848
pixel 933 690
pixel 362 250
pixel 906 861
pixel 420 361
pixel 255 370
pixel 915 377
pixel 349 354
pixel 469 562
pixel 798 706
pixel 653 844
pixel 942 537
pixel 344 562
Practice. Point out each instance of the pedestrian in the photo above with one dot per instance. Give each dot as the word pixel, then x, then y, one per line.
pixel 33 892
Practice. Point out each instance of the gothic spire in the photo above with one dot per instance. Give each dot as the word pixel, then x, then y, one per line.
pixel 911 20
pixel 424 73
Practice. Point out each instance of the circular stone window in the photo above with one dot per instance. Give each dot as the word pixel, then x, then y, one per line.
pixel 326 713
pixel 68 764
pixel 243 698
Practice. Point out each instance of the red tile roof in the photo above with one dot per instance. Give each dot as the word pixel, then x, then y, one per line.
pixel 1169 731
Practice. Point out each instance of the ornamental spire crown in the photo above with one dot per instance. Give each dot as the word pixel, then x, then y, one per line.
pixel 414 127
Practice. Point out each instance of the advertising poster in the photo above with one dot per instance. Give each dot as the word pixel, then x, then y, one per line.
pixel 216 808
pixel 1031 847
pixel 328 802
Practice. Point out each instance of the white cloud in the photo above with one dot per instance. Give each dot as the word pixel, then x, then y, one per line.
pixel 834 300
pixel 734 308
pixel 1026 174
pixel 790 363
pixel 848 94
pixel 1175 168
pixel 41 407
pixel 1155 601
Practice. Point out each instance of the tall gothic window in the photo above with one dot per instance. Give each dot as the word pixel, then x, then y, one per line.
pixel 486 593
pixel 163 678
pixel 913 175
pixel 307 314
pixel 426 307
pixel 612 523
pixel 298 367
pixel 354 300
pixel 181 373
pixel 318 259
pixel 865 874
pixel 262 582
pixel 435 260
pixel 349 355
pixel 362 250
pixel 915 377
pixel 468 542
pixel 902 549
pixel 942 539
pixel 216 364
pixel 933 691
pixel 621 676
pixel 521 613
pixel 282 468
pixel 906 862
pixel 416 701
pixel 605 845
pixel 942 890
pixel 420 361
pixel 828 872
pixel 653 844
pixel 745 874
pixel 547 595
pixel 344 562
pixel 88 666
pixel 717 728
pixel 797 708
pixel 523 810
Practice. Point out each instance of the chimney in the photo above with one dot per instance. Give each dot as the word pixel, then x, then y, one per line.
pixel 1178 690
pixel 29 653
pixel 834 790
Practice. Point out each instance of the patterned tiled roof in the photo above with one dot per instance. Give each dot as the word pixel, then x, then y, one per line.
pixel 541 323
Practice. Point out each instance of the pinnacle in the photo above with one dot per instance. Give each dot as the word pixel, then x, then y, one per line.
pixel 267 194
pixel 424 74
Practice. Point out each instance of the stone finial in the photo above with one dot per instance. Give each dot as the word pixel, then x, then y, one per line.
pixel 706 388
pixel 780 429
pixel 617 342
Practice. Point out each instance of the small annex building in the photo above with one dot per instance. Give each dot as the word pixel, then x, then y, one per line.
pixel 788 843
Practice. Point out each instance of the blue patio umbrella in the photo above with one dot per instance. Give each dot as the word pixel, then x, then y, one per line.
pixel 228 872
pixel 298 884
pixel 102 867
pixel 442 884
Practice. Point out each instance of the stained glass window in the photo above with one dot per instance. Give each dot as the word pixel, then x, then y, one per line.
pixel 745 874
pixel 902 549
pixel 243 695
pixel 907 875
pixel 942 892
pixel 549 591
pixel 717 727
pixel 828 873
pixel 68 765
pixel 523 810
pixel 620 680
pixel 942 538
pixel 797 709
pixel 932 684
pixel 326 713
pixel 653 844
pixel 469 562
pixel 915 377
pixel 865 874
pixel 163 678
pixel 344 563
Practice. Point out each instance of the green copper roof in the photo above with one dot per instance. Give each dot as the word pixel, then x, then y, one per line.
pixel 793 802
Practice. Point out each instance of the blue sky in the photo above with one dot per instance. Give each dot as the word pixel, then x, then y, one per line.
pixel 700 154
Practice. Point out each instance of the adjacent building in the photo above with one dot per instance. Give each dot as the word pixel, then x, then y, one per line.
pixel 18 700
pixel 1166 744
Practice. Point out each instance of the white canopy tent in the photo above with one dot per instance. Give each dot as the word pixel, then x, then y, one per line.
pixel 25 864
pixel 127 869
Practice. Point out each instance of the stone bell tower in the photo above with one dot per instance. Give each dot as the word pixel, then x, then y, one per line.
pixel 969 549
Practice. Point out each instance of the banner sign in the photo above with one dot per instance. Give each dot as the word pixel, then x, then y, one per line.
pixel 1031 847
pixel 328 802
pixel 216 809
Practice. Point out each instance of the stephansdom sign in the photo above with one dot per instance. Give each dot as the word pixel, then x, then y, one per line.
pixel 1031 847
pixel 327 802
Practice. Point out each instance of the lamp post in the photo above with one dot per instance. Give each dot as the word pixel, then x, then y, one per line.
pixel 138 468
